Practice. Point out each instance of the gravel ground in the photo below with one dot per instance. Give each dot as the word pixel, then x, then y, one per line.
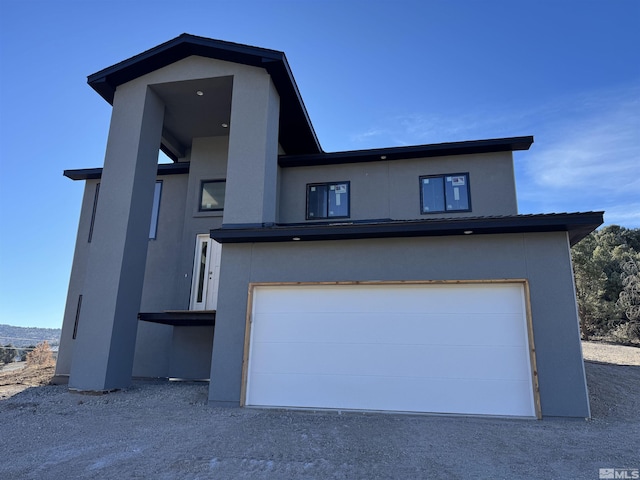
pixel 606 353
pixel 165 430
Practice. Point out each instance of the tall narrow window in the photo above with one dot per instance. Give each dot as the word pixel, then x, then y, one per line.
pixel 75 324
pixel 202 271
pixel 328 200
pixel 445 193
pixel 157 193
pixel 93 212
pixel 212 195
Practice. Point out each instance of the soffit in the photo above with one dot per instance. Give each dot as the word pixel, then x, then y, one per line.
pixel 190 115
pixel 296 134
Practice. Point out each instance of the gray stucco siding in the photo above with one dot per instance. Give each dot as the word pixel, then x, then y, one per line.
pixel 538 257
pixel 208 161
pixel 191 353
pixel 76 280
pixel 153 350
pixel 162 252
pixel 180 351
pixel 391 189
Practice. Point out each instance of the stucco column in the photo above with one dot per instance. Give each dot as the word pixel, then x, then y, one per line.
pixel 104 347
pixel 251 190
pixel 250 199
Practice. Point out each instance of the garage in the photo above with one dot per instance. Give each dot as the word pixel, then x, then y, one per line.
pixel 437 347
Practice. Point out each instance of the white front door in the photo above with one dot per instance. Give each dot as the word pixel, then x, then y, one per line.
pixel 206 274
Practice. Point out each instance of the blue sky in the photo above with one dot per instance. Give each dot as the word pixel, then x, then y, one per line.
pixel 371 73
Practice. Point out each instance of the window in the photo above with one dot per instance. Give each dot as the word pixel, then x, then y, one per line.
pixel 153 229
pixel 75 324
pixel 212 195
pixel 328 200
pixel 93 212
pixel 445 193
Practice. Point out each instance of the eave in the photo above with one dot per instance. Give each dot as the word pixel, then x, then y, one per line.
pixel 577 225
pixel 96 173
pixel 296 131
pixel 415 151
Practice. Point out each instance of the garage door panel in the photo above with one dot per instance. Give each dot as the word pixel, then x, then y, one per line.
pixel 373 393
pixel 442 348
pixel 359 298
pixel 422 328
pixel 424 361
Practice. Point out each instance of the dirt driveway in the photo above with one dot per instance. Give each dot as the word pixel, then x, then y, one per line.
pixel 164 430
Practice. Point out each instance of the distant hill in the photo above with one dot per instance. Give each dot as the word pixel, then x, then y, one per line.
pixel 25 336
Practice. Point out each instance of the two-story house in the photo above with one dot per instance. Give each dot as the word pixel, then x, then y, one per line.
pixel 395 279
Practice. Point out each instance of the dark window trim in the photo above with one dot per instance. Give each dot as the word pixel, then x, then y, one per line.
pixel 443 175
pixel 202 182
pixel 93 212
pixel 328 184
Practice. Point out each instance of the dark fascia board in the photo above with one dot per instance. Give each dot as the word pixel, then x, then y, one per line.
pixel 96 173
pixel 578 225
pixel 180 318
pixel 296 131
pixel 417 151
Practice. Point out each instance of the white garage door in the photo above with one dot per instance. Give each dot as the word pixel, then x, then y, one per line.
pixel 442 348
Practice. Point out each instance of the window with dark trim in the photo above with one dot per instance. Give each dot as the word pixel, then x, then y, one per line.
pixel 93 212
pixel 328 200
pixel 157 193
pixel 153 228
pixel 212 195
pixel 445 193
pixel 75 323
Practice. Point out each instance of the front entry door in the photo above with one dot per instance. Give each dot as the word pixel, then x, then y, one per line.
pixel 206 274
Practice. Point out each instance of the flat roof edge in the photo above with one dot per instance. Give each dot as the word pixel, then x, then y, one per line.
pixel 508 144
pixel 177 168
pixel 578 225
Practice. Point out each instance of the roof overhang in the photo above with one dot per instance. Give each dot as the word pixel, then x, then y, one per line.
pixel 178 168
pixel 296 131
pixel 577 225
pixel 400 153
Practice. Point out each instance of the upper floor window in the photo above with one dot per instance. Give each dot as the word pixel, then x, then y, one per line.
pixel 96 193
pixel 155 212
pixel 328 200
pixel 445 193
pixel 212 195
pixel 153 229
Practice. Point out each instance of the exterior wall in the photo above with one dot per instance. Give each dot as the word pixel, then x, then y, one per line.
pixel 105 346
pixel 208 159
pixel 191 353
pixel 153 350
pixel 253 133
pixel 169 264
pixel 542 258
pixel 163 251
pixel 167 273
pixel 183 352
pixel 76 281
pixel 391 189
pixel 153 341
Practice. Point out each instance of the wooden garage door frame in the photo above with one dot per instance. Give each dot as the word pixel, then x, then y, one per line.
pixel 523 282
